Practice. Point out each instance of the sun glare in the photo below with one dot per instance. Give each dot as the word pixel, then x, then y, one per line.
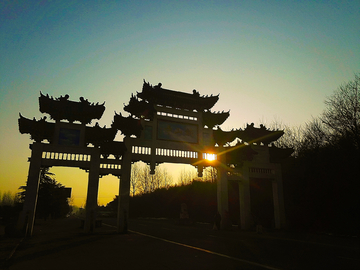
pixel 210 157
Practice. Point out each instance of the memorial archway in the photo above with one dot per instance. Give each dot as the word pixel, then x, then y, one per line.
pixel 167 126
pixel 164 126
pixel 71 142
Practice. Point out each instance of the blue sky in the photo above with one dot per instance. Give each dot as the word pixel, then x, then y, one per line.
pixel 269 60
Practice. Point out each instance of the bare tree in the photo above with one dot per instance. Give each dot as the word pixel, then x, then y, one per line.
pixel 135 177
pixel 342 113
pixel 158 178
pixel 210 174
pixel 315 136
pixel 168 181
pixel 186 176
pixel 152 182
pixel 292 138
pixel 144 180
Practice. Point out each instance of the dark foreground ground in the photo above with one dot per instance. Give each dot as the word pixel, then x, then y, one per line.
pixel 161 244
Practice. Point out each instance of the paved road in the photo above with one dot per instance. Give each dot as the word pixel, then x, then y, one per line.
pixel 271 250
pixel 161 244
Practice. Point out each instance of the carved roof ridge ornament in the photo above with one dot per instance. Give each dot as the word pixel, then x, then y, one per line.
pixel 62 108
pixel 250 135
pixel 127 125
pixel 212 119
pixel 140 108
pixel 176 99
pixel 223 137
pixel 39 130
pixel 98 135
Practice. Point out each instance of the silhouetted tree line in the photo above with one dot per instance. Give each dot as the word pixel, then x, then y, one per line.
pixel 10 208
pixel 200 198
pixel 53 201
pixel 321 182
pixel 143 182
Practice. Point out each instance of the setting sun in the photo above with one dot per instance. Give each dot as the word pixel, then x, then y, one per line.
pixel 210 157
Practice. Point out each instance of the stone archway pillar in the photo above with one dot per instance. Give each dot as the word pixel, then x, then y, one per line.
pixel 124 189
pixel 244 199
pixel 222 188
pixel 27 216
pixel 278 197
pixel 92 192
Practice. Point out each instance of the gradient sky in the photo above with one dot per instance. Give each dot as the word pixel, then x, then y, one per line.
pixel 269 60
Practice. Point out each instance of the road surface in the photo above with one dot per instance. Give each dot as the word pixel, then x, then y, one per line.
pixel 161 244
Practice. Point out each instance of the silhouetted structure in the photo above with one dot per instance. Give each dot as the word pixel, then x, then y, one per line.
pixel 70 145
pixel 164 126
pixel 176 127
